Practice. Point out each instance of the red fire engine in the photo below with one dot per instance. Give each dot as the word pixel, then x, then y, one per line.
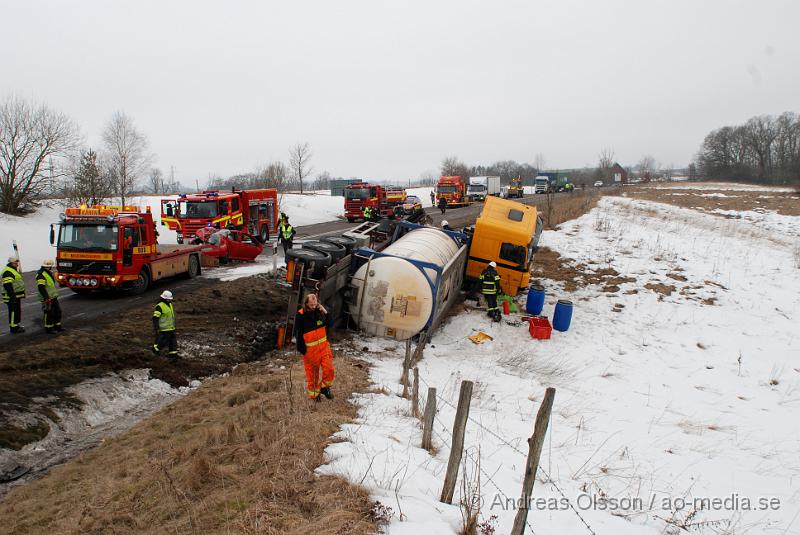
pixel 359 195
pixel 102 247
pixel 453 189
pixel 254 211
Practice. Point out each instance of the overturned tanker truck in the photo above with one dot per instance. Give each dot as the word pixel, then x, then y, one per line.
pixel 397 279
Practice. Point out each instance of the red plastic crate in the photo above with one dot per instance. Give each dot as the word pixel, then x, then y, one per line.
pixel 540 328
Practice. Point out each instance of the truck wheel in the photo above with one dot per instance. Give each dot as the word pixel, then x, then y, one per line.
pixel 350 219
pixel 264 234
pixel 194 267
pixel 142 283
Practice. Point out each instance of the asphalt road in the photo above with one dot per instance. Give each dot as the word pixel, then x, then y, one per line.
pixel 80 310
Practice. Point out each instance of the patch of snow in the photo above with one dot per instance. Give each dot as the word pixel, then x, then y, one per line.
pixel 725 186
pixel 664 400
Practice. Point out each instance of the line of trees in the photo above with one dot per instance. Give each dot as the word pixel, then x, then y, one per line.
pixel 764 149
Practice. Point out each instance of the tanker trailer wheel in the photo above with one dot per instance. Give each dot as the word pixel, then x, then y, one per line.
pixel 194 267
pixel 142 283
pixel 315 261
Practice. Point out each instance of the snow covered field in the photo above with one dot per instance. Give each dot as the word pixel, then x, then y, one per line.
pixel 723 186
pixel 686 390
pixel 32 231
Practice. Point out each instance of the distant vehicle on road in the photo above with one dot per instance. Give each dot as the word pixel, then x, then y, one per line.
pixel 412 202
pixel 598 184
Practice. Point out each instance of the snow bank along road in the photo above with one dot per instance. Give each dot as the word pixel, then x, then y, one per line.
pixel 82 309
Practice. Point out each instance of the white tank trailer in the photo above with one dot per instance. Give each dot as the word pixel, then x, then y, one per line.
pixel 409 285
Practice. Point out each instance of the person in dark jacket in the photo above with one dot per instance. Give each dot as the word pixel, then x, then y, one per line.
pixel 433 198
pixel 310 330
pixel 164 326
pixel 286 234
pixel 490 287
pixel 48 294
pixel 13 293
pixel 442 204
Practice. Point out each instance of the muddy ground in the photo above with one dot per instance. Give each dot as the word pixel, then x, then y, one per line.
pixel 219 325
pixel 784 203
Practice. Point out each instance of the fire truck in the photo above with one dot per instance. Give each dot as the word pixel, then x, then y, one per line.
pixel 384 199
pixel 116 247
pixel 254 211
pixel 452 188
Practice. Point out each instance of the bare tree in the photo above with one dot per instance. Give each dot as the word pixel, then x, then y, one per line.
pixel 273 175
pixel 646 166
pixel 427 178
pixel 452 166
pixel 128 157
pixel 299 157
pixel 88 184
pixel 34 141
pixel 539 162
pixel 156 180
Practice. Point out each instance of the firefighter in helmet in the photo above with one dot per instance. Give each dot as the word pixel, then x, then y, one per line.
pixel 490 287
pixel 164 326
pixel 286 234
pixel 48 294
pixel 369 213
pixel 13 293
pixel 312 342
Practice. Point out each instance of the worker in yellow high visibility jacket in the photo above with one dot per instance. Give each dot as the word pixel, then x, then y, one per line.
pixel 48 295
pixel 13 293
pixel 164 326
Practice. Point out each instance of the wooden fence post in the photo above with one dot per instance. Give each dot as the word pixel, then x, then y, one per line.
pixel 427 420
pixel 415 394
pixel 532 464
pixel 406 366
pixel 459 427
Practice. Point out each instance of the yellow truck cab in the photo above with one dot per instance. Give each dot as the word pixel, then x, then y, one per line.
pixel 504 232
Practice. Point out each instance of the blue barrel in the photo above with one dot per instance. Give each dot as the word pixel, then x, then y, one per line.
pixel 563 315
pixel 535 302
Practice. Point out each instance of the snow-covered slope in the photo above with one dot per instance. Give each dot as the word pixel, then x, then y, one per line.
pixel 661 399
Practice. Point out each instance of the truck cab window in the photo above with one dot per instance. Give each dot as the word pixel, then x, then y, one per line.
pixel 514 254
pixel 223 207
pixel 235 204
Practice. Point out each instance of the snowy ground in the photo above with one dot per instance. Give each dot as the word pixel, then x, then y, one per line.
pixel 723 186
pixel 660 399
pixel 32 231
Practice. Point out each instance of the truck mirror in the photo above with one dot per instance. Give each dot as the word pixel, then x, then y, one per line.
pixel 52 234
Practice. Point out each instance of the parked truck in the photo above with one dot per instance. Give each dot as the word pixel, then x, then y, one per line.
pixel 116 247
pixel 541 184
pixel 384 199
pixel 481 187
pixel 453 189
pixel 254 211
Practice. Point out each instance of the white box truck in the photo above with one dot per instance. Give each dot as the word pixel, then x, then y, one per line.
pixel 541 184
pixel 481 186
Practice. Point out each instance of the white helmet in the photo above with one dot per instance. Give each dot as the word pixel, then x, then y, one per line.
pixel 166 294
pixel 48 263
pixel 13 258
pixel 492 264
pixel 445 223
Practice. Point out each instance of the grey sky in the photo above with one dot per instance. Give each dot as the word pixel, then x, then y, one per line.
pixel 387 89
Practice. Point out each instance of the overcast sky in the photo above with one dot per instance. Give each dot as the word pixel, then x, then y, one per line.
pixel 387 89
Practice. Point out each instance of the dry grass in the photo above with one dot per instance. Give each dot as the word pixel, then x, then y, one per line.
pixel 559 209
pixel 785 203
pixel 235 456
pixel 551 265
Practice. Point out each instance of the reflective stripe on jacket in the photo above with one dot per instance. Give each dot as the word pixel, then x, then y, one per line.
pixel 287 231
pixel 14 278
pixel 490 282
pixel 44 278
pixel 165 312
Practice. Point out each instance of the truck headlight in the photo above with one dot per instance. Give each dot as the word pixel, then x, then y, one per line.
pixel 72 281
pixel 93 282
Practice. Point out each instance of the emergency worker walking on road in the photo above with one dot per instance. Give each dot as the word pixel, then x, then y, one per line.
pixel 286 234
pixel 312 342
pixel 490 286
pixel 48 294
pixel 433 198
pixel 442 204
pixel 164 326
pixel 13 293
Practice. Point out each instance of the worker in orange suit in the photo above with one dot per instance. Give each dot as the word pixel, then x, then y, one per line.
pixel 312 342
